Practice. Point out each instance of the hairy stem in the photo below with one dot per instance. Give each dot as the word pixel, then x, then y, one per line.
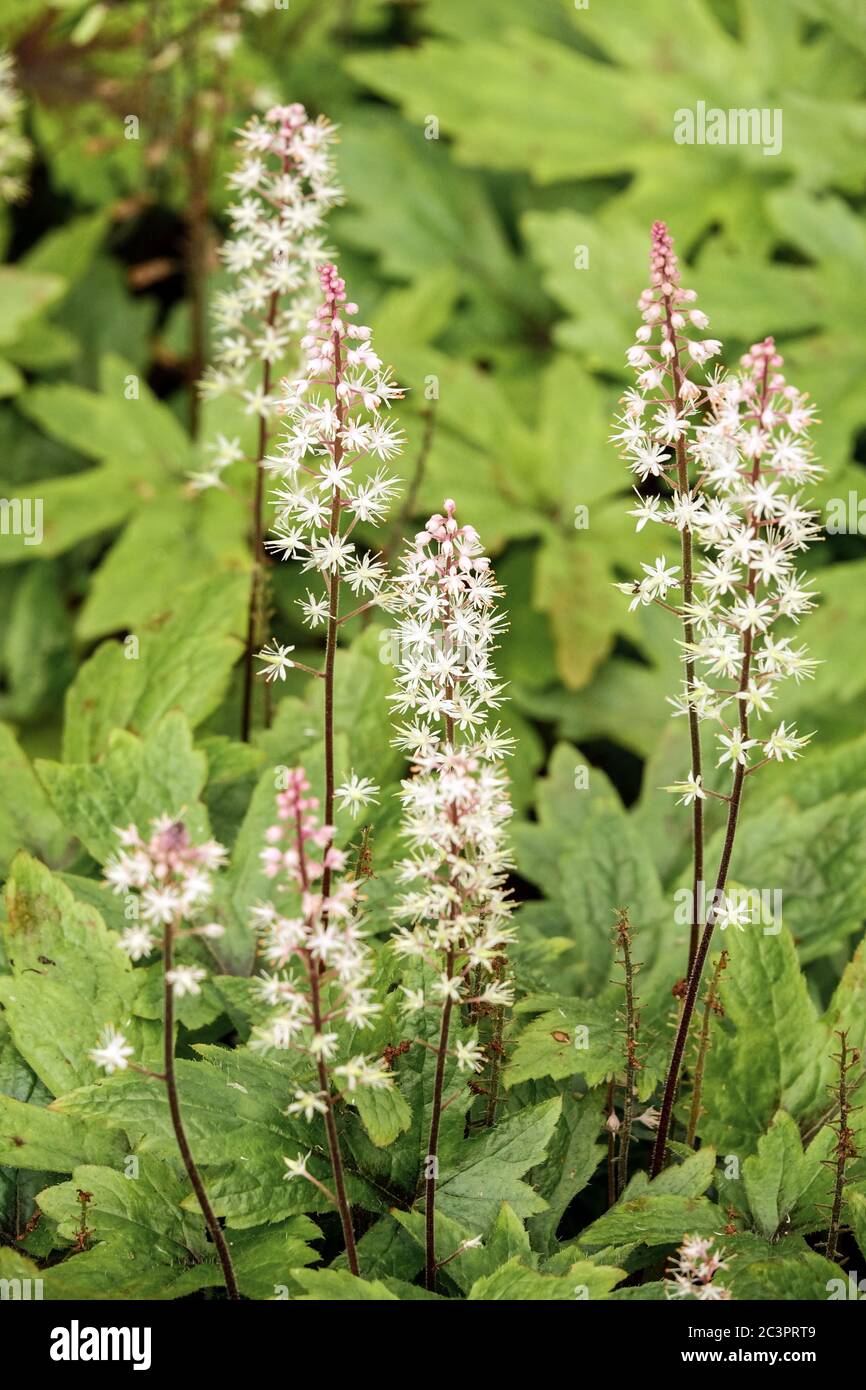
pixel 213 1225
pixel 845 1146
pixel 495 1046
pixel 444 1029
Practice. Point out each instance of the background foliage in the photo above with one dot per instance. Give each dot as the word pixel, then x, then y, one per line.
pixel 553 133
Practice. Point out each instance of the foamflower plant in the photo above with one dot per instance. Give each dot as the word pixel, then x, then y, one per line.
pixel 169 881
pixel 284 186
pixel 728 459
pixel 454 909
pixel 314 942
pixel 330 476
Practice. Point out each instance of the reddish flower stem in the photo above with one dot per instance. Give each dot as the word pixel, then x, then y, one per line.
pixel 688 637
pixel 694 980
pixel 260 557
pixel 189 1164
pixel 334 1150
pixel 433 1140
pixel 432 1173
pixel 333 621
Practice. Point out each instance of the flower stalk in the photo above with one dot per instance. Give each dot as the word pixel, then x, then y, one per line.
pixel 167 879
pixel 285 186
pixel 320 501
pixel 213 1225
pixel 631 1023
pixel 740 459
pixel 455 802
pixel 315 941
pixel 712 1005
pixel 334 1150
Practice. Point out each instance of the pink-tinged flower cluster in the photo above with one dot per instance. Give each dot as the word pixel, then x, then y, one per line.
pixel 172 879
pixel 329 461
pixel 456 804
pixel 661 411
pixel 315 946
pixel 727 459
pixel 284 186
pixel 299 848
pixel 692 1274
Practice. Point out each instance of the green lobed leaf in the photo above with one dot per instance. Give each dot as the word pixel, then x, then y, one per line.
pixel 27 818
pixel 136 780
pixel 750 1072
pixel 489 1168
pixel 514 1282
pixel 783 1182
pixel 68 980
